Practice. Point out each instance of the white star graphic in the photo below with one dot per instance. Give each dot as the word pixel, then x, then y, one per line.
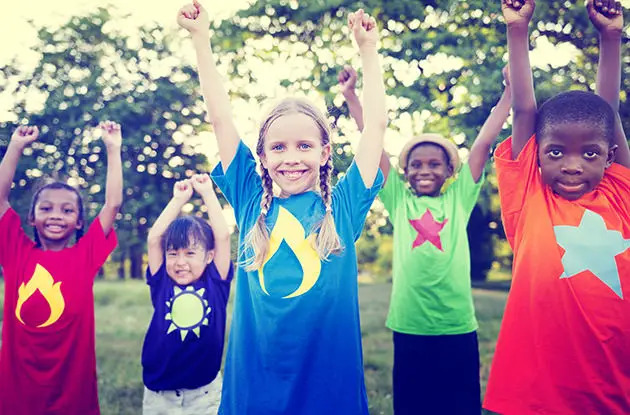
pixel 590 246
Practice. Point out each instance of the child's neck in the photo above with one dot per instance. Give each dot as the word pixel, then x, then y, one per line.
pixel 54 246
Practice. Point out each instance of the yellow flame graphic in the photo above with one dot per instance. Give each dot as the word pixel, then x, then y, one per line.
pixel 289 229
pixel 42 281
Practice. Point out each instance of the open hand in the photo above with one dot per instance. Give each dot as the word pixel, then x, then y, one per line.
pixel 606 15
pixel 110 133
pixel 193 17
pixel 24 135
pixel 518 12
pixel 364 29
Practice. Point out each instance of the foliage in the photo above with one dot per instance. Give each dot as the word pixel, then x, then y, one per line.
pixel 89 72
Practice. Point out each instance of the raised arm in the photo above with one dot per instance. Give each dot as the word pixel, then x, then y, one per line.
pixel 203 185
pixel 22 137
pixel 194 18
pixel 374 113
pixel 517 14
pixel 182 191
pixel 347 78
pixel 480 151
pixel 607 17
pixel 112 138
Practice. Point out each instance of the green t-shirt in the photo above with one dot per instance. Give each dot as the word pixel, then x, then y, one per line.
pixel 431 290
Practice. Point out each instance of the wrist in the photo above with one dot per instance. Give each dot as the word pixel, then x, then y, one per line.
pixel 349 94
pixel 200 37
pixel 368 49
pixel 180 200
pixel 518 28
pixel 16 146
pixel 610 36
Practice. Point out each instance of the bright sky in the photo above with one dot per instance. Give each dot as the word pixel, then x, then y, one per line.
pixel 17 36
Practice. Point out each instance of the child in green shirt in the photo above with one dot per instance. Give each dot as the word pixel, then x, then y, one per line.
pixel 431 314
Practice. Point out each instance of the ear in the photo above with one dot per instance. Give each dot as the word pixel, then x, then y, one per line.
pixel 325 154
pixel 612 152
pixel 79 224
pixel 209 256
pixel 450 170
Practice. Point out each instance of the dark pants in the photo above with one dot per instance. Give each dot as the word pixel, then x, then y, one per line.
pixel 436 374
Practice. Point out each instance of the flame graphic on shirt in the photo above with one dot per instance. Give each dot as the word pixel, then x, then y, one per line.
pixel 51 291
pixel 289 229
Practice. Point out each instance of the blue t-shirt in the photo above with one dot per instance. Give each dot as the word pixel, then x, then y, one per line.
pixel 184 343
pixel 295 338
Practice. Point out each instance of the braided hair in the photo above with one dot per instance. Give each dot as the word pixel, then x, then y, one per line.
pixel 257 239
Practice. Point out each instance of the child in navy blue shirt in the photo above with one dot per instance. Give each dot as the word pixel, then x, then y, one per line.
pixel 189 275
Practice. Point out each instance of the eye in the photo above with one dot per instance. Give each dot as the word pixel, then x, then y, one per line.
pixel 190 253
pixel 68 210
pixel 434 164
pixel 590 155
pixel 305 146
pixel 554 154
pixel 171 253
pixel 277 147
pixel 44 208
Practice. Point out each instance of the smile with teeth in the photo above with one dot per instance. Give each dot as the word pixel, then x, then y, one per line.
pixel 55 228
pixel 293 174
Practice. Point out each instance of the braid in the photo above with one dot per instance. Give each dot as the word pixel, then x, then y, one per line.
pixel 328 241
pixel 257 239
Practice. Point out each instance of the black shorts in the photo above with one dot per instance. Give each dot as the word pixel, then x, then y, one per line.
pixel 436 374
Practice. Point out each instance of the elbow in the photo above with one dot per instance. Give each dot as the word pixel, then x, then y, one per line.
pixel 378 124
pixel 154 239
pixel 221 236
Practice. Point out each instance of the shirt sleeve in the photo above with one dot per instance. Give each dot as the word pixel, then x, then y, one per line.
pixel 516 179
pixel 223 284
pixel 465 190
pixel 97 246
pixel 12 237
pixel 351 195
pixel 240 184
pixel 393 192
pixel 617 180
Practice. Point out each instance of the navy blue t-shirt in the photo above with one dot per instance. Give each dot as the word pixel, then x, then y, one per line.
pixel 184 343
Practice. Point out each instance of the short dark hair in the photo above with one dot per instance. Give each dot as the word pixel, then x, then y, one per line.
pixel 447 159
pixel 56 185
pixel 185 229
pixel 574 107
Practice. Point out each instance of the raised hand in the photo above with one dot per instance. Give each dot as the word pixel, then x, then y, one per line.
pixel 347 79
pixel 202 184
pixel 24 135
pixel 182 190
pixel 193 17
pixel 364 29
pixel 606 15
pixel 110 133
pixel 518 12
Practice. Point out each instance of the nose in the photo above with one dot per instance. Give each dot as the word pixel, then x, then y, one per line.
pixel 179 259
pixel 291 157
pixel 572 165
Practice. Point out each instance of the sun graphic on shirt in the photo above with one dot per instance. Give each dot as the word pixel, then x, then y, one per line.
pixel 188 311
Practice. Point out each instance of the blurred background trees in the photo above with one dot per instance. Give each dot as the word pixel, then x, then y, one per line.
pixel 442 62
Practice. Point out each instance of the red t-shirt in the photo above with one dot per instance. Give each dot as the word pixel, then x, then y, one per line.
pixel 47 359
pixel 564 344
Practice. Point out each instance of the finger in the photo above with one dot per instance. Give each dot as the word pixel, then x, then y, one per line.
pixel 618 9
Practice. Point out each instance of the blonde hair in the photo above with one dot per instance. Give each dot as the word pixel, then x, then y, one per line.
pixel 256 240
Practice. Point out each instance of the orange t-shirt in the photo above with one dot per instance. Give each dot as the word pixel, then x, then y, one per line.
pixel 564 345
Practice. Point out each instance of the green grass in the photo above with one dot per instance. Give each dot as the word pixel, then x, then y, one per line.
pixel 123 311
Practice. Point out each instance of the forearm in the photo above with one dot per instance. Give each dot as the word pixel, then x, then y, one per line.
pixel 168 215
pixel 114 183
pixel 356 110
pixel 374 114
pixel 7 170
pixel 219 225
pixel 522 83
pixel 216 99
pixel 609 70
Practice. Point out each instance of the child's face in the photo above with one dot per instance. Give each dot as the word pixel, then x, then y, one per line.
pixel 186 265
pixel 573 157
pixel 427 169
pixel 56 216
pixel 293 153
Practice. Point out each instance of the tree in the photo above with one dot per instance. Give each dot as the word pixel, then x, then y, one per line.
pixel 89 72
pixel 442 62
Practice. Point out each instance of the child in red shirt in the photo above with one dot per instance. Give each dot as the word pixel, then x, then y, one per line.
pixel 564 181
pixel 47 360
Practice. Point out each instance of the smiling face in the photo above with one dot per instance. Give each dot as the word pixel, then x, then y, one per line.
pixel 186 265
pixel 573 157
pixel 427 169
pixel 293 153
pixel 56 217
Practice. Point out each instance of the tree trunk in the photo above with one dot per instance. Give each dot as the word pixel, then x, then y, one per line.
pixel 121 265
pixel 135 258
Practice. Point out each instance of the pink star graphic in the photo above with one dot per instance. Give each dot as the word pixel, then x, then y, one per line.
pixel 428 230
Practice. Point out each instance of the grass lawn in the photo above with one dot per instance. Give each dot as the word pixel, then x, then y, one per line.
pixel 123 310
